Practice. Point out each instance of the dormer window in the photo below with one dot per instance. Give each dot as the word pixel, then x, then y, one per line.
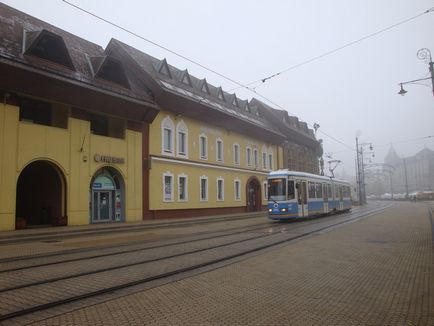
pixel 220 94
pixel 48 46
pixel 235 102
pixel 204 87
pixel 163 68
pixel 186 78
pixel 109 69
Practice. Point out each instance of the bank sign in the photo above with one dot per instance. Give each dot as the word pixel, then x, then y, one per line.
pixel 108 159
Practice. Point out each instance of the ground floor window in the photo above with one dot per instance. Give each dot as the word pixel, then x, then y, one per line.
pixel 237 189
pixel 203 188
pixel 220 189
pixel 167 186
pixel 182 188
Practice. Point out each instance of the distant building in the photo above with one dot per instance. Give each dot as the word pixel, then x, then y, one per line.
pixel 413 173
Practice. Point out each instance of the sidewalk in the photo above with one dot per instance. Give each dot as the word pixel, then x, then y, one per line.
pixel 378 271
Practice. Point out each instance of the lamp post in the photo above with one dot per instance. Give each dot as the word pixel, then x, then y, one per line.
pixel 422 54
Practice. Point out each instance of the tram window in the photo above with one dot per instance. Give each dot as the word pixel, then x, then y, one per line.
pixel 329 191
pixel 311 186
pixel 318 190
pixel 291 193
pixel 277 189
pixel 336 191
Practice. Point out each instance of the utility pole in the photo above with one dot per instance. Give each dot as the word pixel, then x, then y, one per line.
pixel 406 178
pixel 359 188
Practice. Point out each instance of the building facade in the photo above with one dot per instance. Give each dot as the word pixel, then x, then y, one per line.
pixel 414 173
pixel 71 136
pixel 95 135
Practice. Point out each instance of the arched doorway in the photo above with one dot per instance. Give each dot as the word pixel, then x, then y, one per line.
pixel 253 191
pixel 107 196
pixel 41 195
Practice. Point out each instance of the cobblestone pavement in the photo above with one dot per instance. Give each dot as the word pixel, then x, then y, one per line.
pixel 378 271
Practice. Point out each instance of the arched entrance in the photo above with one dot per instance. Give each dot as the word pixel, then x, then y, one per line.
pixel 253 191
pixel 41 195
pixel 107 196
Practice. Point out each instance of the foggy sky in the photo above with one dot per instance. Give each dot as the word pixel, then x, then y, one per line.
pixel 354 89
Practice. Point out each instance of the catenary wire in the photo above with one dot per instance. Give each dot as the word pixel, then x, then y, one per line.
pixel 263 79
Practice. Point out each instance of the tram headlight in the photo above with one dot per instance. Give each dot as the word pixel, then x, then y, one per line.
pixel 270 210
pixel 283 210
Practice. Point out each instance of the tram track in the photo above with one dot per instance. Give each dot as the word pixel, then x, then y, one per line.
pixel 130 247
pixel 218 258
pixel 61 235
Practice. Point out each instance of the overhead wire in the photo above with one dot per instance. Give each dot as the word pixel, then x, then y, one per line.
pixel 240 85
pixel 263 80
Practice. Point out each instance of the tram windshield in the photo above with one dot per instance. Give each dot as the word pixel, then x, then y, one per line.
pixel 277 189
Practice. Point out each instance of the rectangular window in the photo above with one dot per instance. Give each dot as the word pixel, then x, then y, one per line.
pixel 182 188
pixel 311 189
pixel 168 187
pixel 219 150
pixel 264 161
pixel 237 190
pixel 167 135
pixel 249 156
pixel 270 161
pixel 203 188
pixel 203 147
pixel 43 113
pixel 220 189
pixel 236 154
pixel 181 143
pixel 318 190
pixel 255 158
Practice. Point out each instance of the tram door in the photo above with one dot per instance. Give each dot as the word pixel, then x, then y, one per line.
pixel 302 198
pixel 326 198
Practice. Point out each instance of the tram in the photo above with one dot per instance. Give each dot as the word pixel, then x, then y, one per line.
pixel 294 194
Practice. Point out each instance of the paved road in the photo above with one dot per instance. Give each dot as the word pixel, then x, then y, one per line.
pixel 377 271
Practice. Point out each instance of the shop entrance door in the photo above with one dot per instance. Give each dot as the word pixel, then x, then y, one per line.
pixel 102 203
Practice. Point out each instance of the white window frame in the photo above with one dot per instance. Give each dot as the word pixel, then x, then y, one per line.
pixel 203 177
pixel 186 187
pixel 270 159
pixel 167 124
pixel 203 151
pixel 220 179
pixel 219 158
pixel 237 189
pixel 264 158
pixel 236 154
pixel 181 127
pixel 255 158
pixel 172 187
pixel 249 156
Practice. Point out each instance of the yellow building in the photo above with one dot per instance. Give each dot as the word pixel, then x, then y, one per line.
pixel 90 135
pixel 209 151
pixel 72 125
pixel 198 168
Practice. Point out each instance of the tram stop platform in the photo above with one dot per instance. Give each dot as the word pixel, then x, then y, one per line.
pixel 376 271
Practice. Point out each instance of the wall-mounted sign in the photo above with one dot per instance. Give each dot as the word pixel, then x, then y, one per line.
pixel 108 159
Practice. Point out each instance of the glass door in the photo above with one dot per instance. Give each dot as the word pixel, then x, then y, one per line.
pixel 102 206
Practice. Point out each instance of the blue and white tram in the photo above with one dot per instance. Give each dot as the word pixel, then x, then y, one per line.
pixel 294 194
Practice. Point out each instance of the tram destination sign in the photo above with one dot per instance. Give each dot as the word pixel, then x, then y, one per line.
pixel 108 159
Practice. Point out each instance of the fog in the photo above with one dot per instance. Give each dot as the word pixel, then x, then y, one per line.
pixel 348 91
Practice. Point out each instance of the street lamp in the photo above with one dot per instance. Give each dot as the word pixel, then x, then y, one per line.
pixel 422 54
